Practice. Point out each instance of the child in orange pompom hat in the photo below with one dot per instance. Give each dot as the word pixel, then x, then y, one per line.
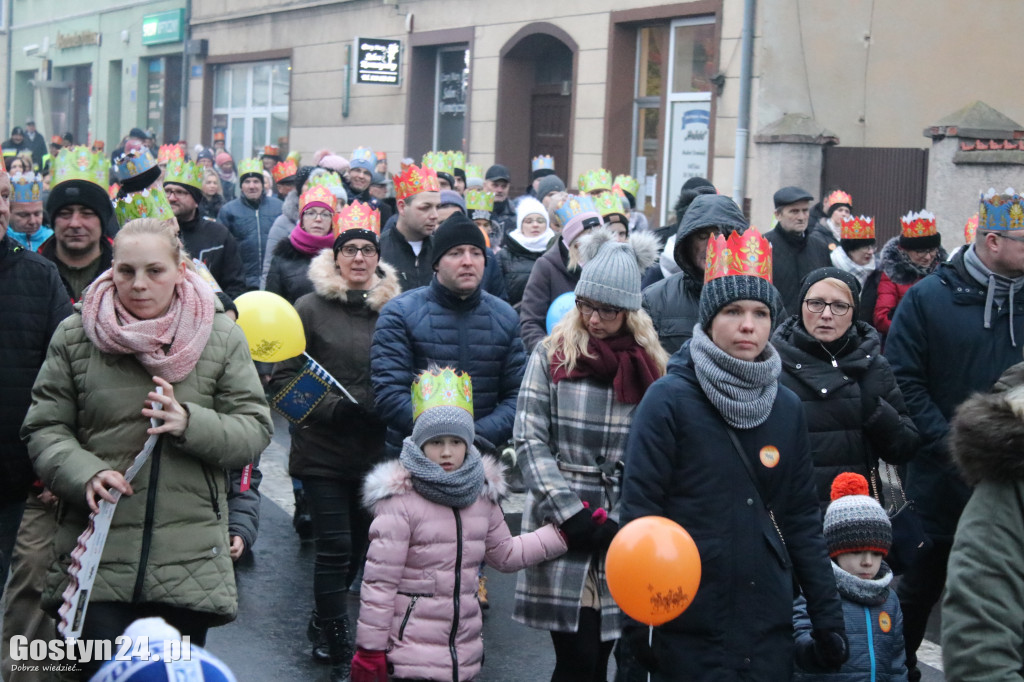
pixel 858 534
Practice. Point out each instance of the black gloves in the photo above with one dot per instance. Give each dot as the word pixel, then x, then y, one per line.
pixel 830 648
pixel 637 648
pixel 578 530
pixel 604 533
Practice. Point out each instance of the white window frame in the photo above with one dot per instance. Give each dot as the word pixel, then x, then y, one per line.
pixel 248 112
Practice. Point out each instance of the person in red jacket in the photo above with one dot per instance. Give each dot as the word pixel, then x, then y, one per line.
pixel 905 261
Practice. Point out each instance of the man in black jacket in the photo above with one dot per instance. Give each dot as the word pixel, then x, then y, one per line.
pixel 794 253
pixel 407 246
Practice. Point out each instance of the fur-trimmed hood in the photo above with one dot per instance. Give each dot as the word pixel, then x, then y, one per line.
pixel 328 282
pixel 896 264
pixel 390 478
pixel 290 208
pixel 987 436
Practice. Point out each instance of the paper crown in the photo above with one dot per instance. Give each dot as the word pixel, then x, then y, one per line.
pixel 440 162
pixel 474 172
pixel 921 224
pixel 81 163
pixel 134 163
pixel 479 200
pixel 113 190
pixel 970 229
pixel 295 156
pixel 542 162
pixel 1001 211
pixel 575 206
pixel 440 387
pixel 414 180
pixel 739 254
pixel 149 203
pixel 458 160
pixel 184 173
pixel 363 157
pixel 627 183
pixel 837 197
pixel 381 156
pixel 284 169
pixel 250 167
pixel 608 203
pixel 26 188
pixel 860 227
pixel 597 179
pixel 318 194
pixel 168 153
pixel 272 150
pixel 218 136
pixel 330 180
pixel 57 140
pixel 357 216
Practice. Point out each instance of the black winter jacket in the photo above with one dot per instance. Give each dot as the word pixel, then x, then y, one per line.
pixel 212 243
pixel 855 412
pixel 516 262
pixel 289 272
pixel 34 301
pixel 682 465
pixel 793 256
pixel 549 279
pixel 48 250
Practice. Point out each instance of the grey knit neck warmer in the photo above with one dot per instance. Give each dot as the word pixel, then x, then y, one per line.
pixel 866 592
pixel 743 392
pixel 999 288
pixel 458 489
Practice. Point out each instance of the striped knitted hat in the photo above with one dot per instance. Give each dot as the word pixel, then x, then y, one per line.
pixel 855 522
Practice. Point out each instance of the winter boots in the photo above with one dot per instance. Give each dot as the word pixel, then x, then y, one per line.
pixel 315 634
pixel 302 522
pixel 336 632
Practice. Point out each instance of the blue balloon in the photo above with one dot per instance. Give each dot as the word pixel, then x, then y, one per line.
pixel 559 307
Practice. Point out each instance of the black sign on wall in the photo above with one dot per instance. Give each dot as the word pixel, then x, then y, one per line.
pixel 378 61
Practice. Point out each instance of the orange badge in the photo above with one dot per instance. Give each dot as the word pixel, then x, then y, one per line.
pixel 770 456
pixel 884 621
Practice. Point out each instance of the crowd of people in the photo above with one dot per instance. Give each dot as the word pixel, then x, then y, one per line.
pixel 750 387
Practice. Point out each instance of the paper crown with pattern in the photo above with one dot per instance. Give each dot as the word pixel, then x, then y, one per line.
pixel 413 180
pixel 458 159
pixel 835 198
pixel 250 167
pixel 134 163
pixel 739 254
pixel 970 229
pixel 26 188
pixel 597 179
pixel 920 224
pixel 283 170
pixel 357 216
pixel 184 173
pixel 1001 211
pixel 474 172
pixel 627 183
pixel 438 387
pixel 271 150
pixel 149 203
pixel 479 200
pixel 859 227
pixel 295 156
pixel 113 190
pixel 363 157
pixel 81 163
pixel 318 194
pixel 542 162
pixel 168 153
pixel 575 206
pixel 330 180
pixel 440 162
pixel 609 203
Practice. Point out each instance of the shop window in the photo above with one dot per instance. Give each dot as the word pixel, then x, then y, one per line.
pixel 250 105
pixel 451 85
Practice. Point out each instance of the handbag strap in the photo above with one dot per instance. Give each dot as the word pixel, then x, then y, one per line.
pixel 897 486
pixel 738 447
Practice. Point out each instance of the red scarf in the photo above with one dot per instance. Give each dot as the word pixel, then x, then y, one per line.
pixel 620 361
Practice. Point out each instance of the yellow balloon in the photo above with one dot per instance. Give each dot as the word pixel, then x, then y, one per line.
pixel 271 325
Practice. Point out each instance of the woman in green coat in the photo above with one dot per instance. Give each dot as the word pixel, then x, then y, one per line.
pixel 148 322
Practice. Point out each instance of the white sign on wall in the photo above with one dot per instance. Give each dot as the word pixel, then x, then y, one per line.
pixel 688 146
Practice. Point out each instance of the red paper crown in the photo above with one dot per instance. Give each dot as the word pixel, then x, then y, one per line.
pixel 921 224
pixel 970 229
pixel 357 216
pixel 413 180
pixel 168 153
pixel 284 169
pixel 746 254
pixel 861 227
pixel 837 197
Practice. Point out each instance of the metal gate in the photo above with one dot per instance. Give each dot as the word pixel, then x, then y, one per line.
pixel 884 182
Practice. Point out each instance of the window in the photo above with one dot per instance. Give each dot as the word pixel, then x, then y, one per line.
pixel 250 105
pixel 450 96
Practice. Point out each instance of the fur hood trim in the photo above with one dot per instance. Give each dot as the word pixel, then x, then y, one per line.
pixel 896 264
pixel 390 478
pixel 987 436
pixel 328 283
pixel 644 245
pixel 290 209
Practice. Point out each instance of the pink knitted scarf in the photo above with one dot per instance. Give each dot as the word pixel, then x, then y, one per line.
pixel 309 244
pixel 168 346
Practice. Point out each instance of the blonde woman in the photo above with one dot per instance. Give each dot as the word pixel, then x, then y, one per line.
pixel 213 195
pixel 575 407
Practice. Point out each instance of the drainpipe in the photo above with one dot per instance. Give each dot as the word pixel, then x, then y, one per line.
pixel 185 68
pixel 9 113
pixel 739 178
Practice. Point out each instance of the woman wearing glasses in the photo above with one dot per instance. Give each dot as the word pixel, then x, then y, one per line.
pixel 334 447
pixel 832 361
pixel 288 275
pixel 575 407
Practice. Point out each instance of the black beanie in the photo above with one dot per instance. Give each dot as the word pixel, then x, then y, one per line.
pixel 81 192
pixel 815 276
pixel 722 291
pixel 196 193
pixel 457 230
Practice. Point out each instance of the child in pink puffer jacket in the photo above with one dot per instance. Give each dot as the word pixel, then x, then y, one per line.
pixel 436 517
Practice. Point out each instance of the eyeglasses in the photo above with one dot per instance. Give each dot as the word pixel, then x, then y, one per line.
pixel 350 251
pixel 606 314
pixel 1006 236
pixel 838 308
pixel 175 192
pixel 319 215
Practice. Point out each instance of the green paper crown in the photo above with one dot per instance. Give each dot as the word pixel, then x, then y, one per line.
pixel 474 172
pixel 479 200
pixel 608 203
pixel 627 183
pixel 80 163
pixel 330 180
pixel 184 173
pixel 458 159
pixel 596 179
pixel 149 203
pixel 437 387
pixel 250 166
pixel 441 162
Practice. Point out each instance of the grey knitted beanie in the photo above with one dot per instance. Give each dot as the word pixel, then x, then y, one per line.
pixel 855 522
pixel 612 270
pixel 722 291
pixel 443 420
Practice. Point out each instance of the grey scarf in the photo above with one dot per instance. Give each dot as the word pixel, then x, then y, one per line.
pixel 459 488
pixel 867 592
pixel 1000 289
pixel 743 392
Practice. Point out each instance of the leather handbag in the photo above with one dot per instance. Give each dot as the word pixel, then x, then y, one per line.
pixel 909 539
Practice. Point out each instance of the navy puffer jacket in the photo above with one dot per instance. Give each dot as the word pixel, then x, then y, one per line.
pixel 250 225
pixel 478 335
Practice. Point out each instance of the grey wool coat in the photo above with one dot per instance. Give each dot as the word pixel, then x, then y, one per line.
pixel 560 432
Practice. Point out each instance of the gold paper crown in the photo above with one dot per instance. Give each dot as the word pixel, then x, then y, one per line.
pixel 627 183
pixel 439 387
pixel 357 216
pixel 1001 211
pixel 284 169
pixel 479 200
pixel 26 188
pixel 837 197
pixel 250 167
pixel 413 180
pixel 184 173
pixel 920 224
pixel 542 162
pixel 609 203
pixel 168 153
pixel 458 159
pixel 597 179
pixel 861 227
pixel 474 172
pixel 971 229
pixel 439 161
pixel 149 203
pixel 747 254
pixel 318 193
pixel 80 163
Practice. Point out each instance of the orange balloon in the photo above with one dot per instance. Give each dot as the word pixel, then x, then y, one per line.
pixel 653 569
